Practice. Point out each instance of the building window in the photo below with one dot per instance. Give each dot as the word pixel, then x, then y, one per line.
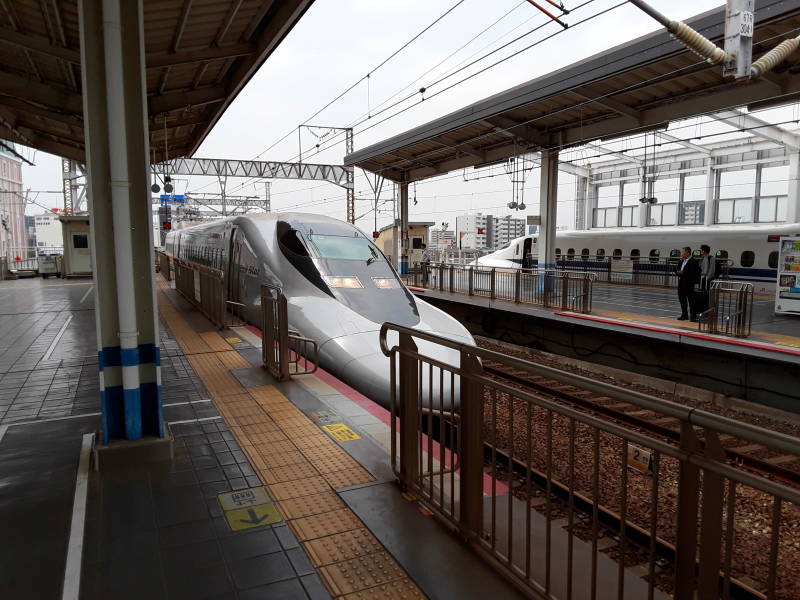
pixel 80 240
pixel 772 261
pixel 748 258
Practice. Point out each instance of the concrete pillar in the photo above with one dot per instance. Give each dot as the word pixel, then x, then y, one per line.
pixel 115 123
pixel 581 199
pixel 793 199
pixel 711 194
pixel 548 206
pixel 644 207
pixel 591 204
pixel 404 251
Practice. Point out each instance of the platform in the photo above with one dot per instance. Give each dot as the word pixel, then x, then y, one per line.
pixel 259 502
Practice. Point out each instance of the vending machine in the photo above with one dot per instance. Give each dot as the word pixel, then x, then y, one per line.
pixel 787 288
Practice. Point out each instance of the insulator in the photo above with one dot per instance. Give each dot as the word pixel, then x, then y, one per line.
pixel 697 43
pixel 774 57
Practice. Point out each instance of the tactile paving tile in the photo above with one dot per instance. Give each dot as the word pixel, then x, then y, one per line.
pixel 215 341
pixel 272 448
pixel 267 438
pixel 299 421
pixel 284 413
pixel 341 547
pixel 301 487
pixel 361 573
pixel 283 459
pixel 310 441
pixel 300 431
pixel 342 479
pixel 324 451
pixel 294 471
pixel 266 427
pixel 306 506
pixel 331 464
pixel 266 476
pixel 324 524
pixel 232 360
pixel 400 589
pixel 265 392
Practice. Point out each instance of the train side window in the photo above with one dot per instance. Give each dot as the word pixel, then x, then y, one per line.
pixel 558 253
pixel 721 254
pixel 601 254
pixel 696 253
pixel 585 254
pixel 654 255
pixel 674 253
pixel 772 261
pixel 617 253
pixel 570 253
pixel 748 258
pixel 635 254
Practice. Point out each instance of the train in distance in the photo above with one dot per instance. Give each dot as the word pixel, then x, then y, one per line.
pixel 752 251
pixel 339 288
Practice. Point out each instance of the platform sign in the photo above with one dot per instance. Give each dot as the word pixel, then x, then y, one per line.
pixel 341 432
pixel 640 459
pixel 246 509
pixel 787 288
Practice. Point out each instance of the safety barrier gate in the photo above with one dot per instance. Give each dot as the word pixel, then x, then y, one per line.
pixel 551 495
pixel 551 289
pixel 283 352
pixel 730 309
pixel 163 264
pixel 202 286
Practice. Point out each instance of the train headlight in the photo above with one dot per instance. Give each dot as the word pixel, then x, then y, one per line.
pixel 351 282
pixel 386 283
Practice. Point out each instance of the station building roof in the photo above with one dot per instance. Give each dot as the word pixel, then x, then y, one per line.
pixel 199 55
pixel 637 86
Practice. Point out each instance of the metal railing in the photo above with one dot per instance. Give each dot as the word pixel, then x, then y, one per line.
pixel 730 309
pixel 550 289
pixel 163 265
pixel 26 258
pixel 204 287
pixel 284 353
pixel 563 501
pixel 631 270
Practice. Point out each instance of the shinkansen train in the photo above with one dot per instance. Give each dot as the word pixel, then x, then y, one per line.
pixel 338 285
pixel 752 250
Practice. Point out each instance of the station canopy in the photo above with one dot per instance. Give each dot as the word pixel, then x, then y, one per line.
pixel 638 86
pixel 199 55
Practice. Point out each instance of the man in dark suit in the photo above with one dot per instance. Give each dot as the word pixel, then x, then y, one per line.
pixel 688 273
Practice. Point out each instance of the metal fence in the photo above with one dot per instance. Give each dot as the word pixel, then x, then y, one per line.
pixel 730 309
pixel 550 289
pixel 569 504
pixel 163 265
pixel 203 286
pixel 652 271
pixel 26 258
pixel 284 353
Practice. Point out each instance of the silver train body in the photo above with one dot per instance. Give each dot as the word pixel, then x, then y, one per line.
pixel 752 249
pixel 339 288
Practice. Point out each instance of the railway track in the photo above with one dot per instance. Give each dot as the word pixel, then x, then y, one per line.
pixel 636 418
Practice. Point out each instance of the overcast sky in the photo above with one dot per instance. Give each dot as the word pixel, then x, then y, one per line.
pixel 338 42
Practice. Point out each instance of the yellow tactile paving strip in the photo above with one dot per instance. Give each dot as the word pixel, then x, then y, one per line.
pixel 301 467
pixel 772 338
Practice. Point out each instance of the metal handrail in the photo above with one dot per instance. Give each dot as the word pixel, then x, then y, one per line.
pixel 696 416
pixel 279 345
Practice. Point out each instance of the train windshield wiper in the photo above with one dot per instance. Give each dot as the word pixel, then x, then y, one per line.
pixel 373 258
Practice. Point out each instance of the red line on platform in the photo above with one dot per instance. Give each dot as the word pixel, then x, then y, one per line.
pixel 684 333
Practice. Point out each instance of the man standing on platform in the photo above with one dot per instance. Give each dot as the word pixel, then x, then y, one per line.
pixel 708 266
pixel 688 273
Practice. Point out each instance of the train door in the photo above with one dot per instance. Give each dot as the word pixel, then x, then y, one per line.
pixel 234 274
pixel 527 255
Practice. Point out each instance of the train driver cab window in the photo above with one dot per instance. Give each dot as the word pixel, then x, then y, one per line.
pixel 585 254
pixel 290 240
pixel 748 258
pixel 617 254
pixel 570 253
pixel 654 255
pixel 601 254
pixel 772 261
pixel 340 247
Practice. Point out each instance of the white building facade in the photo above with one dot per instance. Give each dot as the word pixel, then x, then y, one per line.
pixel 49 234
pixel 481 231
pixel 12 205
pixel 441 239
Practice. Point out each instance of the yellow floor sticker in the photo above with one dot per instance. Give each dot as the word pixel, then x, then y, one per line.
pixel 254 516
pixel 233 340
pixel 341 432
pixel 245 509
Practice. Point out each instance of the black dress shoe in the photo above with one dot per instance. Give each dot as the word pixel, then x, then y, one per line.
pixel 683 318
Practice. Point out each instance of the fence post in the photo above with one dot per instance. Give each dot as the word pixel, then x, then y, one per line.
pixel 471 448
pixel 283 337
pixel 492 283
pixel 565 292
pixel 451 278
pixel 688 501
pixel 517 281
pixel 469 279
pixel 711 533
pixel 666 272
pixel 409 415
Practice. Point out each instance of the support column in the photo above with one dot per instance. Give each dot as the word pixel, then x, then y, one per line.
pixel 644 207
pixel 793 199
pixel 115 122
pixel 404 228
pixel 581 199
pixel 548 206
pixel 711 193
pixel 591 204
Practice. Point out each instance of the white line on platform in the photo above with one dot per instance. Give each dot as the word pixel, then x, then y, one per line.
pixel 3 429
pixel 86 295
pixel 72 573
pixel 185 403
pixel 36 421
pixel 61 331
pixel 194 420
